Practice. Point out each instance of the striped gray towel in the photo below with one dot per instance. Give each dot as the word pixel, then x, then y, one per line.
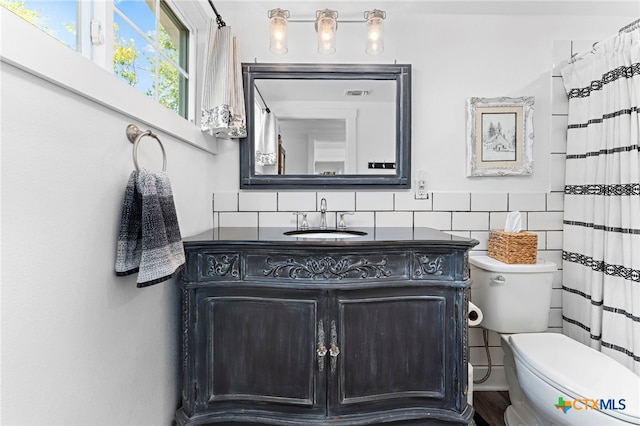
pixel 149 241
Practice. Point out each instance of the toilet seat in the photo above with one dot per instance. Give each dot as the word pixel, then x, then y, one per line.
pixel 576 370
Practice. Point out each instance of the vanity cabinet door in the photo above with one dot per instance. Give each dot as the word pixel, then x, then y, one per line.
pixel 396 350
pixel 256 351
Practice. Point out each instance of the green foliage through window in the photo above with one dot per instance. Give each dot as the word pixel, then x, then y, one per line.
pixel 150 44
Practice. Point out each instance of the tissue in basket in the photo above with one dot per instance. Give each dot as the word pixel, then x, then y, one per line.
pixel 513 247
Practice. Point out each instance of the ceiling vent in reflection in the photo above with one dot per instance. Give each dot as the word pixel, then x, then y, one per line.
pixel 357 92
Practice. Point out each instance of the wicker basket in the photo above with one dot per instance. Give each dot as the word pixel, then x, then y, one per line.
pixel 513 247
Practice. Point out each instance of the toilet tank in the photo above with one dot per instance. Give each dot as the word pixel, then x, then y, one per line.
pixel 513 298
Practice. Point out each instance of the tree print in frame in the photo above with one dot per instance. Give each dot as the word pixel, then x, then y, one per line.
pixel 500 136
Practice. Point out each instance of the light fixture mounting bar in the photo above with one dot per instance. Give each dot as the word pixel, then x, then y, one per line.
pixel 341 21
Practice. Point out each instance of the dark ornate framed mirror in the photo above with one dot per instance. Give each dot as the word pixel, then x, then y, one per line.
pixel 323 126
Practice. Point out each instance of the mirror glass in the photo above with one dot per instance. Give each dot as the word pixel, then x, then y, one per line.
pixel 326 125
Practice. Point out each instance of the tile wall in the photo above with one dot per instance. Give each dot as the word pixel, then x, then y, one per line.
pixel 465 214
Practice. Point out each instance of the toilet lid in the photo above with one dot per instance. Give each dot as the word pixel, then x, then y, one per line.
pixel 579 371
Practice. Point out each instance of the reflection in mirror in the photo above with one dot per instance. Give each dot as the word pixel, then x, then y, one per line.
pixel 324 126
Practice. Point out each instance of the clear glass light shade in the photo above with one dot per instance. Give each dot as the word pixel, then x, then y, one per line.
pixel 326 27
pixel 375 31
pixel 278 42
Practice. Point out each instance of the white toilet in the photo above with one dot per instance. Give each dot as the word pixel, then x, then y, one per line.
pixel 553 379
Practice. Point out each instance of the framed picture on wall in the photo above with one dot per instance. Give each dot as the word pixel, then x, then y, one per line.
pixel 500 136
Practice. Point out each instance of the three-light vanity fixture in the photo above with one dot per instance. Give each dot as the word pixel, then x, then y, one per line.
pixel 326 25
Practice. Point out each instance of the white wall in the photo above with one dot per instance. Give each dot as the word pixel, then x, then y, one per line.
pixel 81 346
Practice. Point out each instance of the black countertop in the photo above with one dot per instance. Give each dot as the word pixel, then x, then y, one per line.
pixel 374 236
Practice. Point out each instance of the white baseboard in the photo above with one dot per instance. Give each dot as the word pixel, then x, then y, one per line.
pixel 497 381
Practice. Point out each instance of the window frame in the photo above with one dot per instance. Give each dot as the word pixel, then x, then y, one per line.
pixel 160 6
pixel 45 57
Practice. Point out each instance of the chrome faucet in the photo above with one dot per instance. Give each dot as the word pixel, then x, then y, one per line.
pixel 323 214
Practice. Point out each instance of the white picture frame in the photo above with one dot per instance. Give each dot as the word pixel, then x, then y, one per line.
pixel 500 136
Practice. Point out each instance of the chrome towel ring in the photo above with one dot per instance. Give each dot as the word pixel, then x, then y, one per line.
pixel 135 135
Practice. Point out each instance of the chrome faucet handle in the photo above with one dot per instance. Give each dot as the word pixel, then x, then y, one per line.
pixel 305 223
pixel 342 224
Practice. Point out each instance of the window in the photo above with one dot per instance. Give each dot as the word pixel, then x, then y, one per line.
pixel 150 43
pixel 150 51
pixel 58 18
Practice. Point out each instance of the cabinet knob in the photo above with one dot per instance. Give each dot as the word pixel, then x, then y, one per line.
pixel 334 351
pixel 321 351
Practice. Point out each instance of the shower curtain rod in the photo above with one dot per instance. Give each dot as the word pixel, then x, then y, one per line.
pixel 219 20
pixel 630 27
pixel 627 28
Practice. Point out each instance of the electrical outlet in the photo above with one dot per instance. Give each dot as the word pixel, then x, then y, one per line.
pixel 421 190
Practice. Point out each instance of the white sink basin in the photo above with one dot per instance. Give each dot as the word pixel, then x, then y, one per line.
pixel 325 233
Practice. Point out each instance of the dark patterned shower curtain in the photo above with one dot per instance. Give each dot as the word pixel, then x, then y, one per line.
pixel 601 249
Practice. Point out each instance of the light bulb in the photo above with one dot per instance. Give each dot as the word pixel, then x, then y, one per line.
pixel 278 39
pixel 326 27
pixel 375 31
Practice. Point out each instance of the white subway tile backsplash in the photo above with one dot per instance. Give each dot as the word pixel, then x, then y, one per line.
pixel 360 220
pixel 559 125
pixel 553 256
pixel 314 219
pixel 476 339
pixel 406 201
pixel 488 202
pixel 471 221
pixel 374 201
pixel 555 201
pixel 497 220
pixel 542 239
pixel 557 166
pixel 257 201
pixel 437 220
pixel 277 219
pixel 483 239
pixel 555 317
pixel 401 219
pixel 478 355
pixel 463 234
pixel 556 298
pixel 545 221
pixel 296 201
pixel 554 240
pixel 337 201
pixel 225 201
pixel 557 277
pixel 527 202
pixel 451 201
pixel 238 219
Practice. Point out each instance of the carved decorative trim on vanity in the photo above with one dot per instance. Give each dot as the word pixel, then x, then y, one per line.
pixel 430 266
pixel 326 267
pixel 222 265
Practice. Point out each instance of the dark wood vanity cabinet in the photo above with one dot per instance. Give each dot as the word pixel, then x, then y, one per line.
pixel 343 334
